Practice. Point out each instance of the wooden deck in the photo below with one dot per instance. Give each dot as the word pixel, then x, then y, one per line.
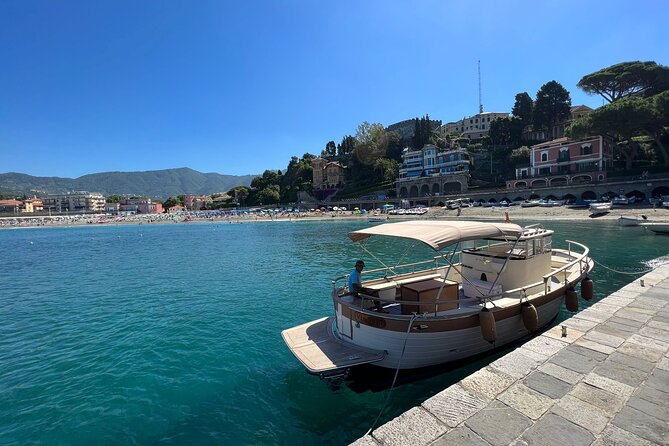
pixel 317 348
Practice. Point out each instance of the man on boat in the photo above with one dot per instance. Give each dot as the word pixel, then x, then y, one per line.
pixel 355 285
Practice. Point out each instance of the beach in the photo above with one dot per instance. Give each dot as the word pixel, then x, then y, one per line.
pixel 495 213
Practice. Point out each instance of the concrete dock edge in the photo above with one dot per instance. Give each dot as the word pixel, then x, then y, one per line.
pixel 605 383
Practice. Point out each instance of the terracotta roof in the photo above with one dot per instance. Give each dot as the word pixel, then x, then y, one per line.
pixel 10 203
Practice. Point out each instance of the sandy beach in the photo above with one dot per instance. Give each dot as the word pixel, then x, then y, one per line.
pixel 468 213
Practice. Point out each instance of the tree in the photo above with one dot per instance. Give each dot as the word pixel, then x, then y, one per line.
pixel 177 200
pixel 522 108
pixel 345 148
pixel 240 194
pixel 269 195
pixel 626 79
pixel 658 127
pixel 386 170
pixel 623 120
pixel 422 132
pixel 507 131
pixel 551 106
pixel 269 177
pixel 114 198
pixel 521 155
pixel 330 150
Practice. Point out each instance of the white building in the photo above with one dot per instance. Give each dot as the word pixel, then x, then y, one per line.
pixel 75 202
pixel 431 171
pixel 473 127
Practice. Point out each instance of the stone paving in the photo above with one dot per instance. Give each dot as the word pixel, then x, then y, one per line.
pixel 605 383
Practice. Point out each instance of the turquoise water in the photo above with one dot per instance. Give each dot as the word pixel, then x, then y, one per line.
pixel 170 334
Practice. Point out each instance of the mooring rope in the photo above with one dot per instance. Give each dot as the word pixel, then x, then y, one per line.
pixel 634 273
pixel 397 371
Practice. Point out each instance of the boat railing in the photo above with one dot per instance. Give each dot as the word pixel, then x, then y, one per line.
pixel 546 278
pixel 390 272
pixel 521 292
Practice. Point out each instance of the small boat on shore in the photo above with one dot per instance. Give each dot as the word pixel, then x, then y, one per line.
pixel 599 208
pixel 479 286
pixel 530 203
pixel 376 219
pixel 631 221
pixel 657 227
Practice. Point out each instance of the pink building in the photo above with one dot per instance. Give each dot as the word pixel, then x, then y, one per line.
pixel 141 206
pixel 563 161
pixel 195 202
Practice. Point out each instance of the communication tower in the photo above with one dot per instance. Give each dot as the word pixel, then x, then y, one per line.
pixel 480 98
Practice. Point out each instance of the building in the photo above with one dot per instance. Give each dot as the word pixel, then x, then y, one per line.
pixel 75 202
pixel 431 171
pixel 576 112
pixel 33 205
pixel 328 176
pixel 140 205
pixel 13 206
pixel 563 161
pixel 196 202
pixel 473 127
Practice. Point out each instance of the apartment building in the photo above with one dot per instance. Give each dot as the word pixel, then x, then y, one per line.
pixel 75 202
pixel 473 127
pixel 432 171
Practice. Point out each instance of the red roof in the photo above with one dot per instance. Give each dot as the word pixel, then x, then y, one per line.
pixel 10 203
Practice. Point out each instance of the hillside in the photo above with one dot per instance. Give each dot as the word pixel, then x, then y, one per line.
pixel 153 183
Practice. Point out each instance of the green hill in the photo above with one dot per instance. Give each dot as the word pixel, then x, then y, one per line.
pixel 152 183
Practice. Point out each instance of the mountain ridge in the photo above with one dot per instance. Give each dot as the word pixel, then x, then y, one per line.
pixel 151 183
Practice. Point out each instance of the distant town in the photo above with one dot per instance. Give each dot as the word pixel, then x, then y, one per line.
pixel 546 148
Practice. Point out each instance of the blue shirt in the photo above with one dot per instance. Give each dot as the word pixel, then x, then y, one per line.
pixel 354 277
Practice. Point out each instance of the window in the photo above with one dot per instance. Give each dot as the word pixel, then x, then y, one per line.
pixel 544 156
pixel 482 126
pixel 564 155
pixel 586 149
pixel 544 171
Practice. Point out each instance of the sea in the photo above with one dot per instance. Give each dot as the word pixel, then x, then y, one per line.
pixel 171 333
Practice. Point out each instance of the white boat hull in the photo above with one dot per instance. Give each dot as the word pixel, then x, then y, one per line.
pixel 428 349
pixel 630 221
pixel 658 228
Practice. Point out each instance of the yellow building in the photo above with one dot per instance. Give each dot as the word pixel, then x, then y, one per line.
pixel 328 174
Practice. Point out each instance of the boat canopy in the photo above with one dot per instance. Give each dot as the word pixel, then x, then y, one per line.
pixel 440 234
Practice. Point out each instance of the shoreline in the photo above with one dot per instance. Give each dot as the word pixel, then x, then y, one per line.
pixel 474 213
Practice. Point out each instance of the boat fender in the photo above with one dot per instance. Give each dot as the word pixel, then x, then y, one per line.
pixel 587 288
pixel 571 300
pixel 530 317
pixel 488 326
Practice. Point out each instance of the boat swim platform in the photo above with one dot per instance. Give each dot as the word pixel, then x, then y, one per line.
pixel 606 382
pixel 316 347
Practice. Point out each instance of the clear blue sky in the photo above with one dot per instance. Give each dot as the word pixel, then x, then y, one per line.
pixel 240 87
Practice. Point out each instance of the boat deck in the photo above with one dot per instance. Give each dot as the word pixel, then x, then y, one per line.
pixel 316 347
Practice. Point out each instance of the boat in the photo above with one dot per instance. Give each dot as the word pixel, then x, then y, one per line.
pixel 620 201
pixel 599 208
pixel 530 203
pixel 657 227
pixel 376 219
pixel 479 286
pixel 631 221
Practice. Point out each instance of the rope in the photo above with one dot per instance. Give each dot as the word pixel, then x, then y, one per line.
pixel 397 371
pixel 635 273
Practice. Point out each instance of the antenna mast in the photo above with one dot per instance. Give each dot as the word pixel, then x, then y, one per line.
pixel 480 100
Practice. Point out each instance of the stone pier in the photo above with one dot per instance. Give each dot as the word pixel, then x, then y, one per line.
pixel 605 383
